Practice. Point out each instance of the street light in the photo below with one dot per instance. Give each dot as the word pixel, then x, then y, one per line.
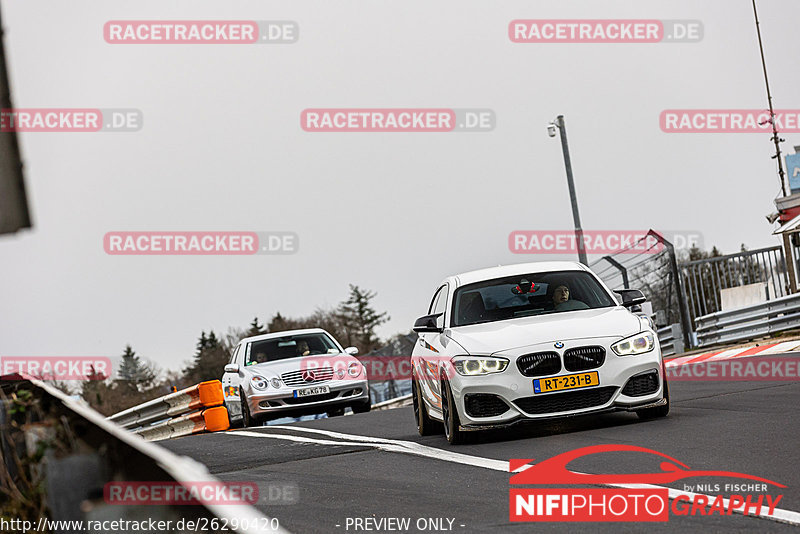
pixel 558 124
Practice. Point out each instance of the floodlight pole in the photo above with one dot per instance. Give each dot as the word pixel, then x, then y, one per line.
pixel 575 215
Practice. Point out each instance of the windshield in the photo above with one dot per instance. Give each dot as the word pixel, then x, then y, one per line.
pixel 525 295
pixel 281 348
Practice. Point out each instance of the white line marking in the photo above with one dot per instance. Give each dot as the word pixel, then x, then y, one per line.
pixel 405 447
pixel 417 449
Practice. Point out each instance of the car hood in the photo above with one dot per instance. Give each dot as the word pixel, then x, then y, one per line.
pixel 279 367
pixel 488 338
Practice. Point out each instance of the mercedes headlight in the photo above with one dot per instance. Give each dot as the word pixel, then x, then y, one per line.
pixel 259 382
pixel 478 365
pixel 276 383
pixel 354 369
pixel 638 344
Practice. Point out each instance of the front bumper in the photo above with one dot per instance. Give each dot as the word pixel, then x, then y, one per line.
pixel 516 392
pixel 280 401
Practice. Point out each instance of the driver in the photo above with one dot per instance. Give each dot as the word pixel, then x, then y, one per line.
pixel 560 295
pixel 303 349
pixel 561 301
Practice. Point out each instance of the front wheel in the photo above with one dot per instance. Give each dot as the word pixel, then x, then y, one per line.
pixel 658 411
pixel 235 423
pixel 452 424
pixel 247 419
pixel 362 407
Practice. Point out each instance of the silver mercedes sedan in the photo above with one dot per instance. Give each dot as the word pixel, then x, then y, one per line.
pixel 293 373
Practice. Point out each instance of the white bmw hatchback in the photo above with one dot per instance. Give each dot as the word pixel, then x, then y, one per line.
pixel 532 341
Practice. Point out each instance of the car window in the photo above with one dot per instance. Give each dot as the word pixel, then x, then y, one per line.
pixel 525 295
pixel 440 305
pixel 234 354
pixel 435 300
pixel 281 348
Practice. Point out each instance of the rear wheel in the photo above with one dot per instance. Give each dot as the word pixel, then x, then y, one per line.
pixel 425 425
pixel 452 424
pixel 658 411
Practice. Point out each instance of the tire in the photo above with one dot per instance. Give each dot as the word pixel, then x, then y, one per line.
pixel 425 425
pixel 235 423
pixel 454 435
pixel 362 407
pixel 247 419
pixel 335 412
pixel 658 411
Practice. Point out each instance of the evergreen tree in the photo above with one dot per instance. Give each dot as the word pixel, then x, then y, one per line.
pixel 255 328
pixel 360 319
pixel 209 359
pixel 279 323
pixel 134 373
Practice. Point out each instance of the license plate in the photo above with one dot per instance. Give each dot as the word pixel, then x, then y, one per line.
pixel 560 383
pixel 308 392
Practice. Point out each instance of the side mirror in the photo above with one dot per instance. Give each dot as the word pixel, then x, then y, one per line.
pixel 427 323
pixel 352 351
pixel 232 368
pixel 631 297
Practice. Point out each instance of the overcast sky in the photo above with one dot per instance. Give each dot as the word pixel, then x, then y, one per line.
pixel 222 149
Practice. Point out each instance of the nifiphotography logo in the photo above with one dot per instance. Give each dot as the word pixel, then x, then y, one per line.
pixel 632 497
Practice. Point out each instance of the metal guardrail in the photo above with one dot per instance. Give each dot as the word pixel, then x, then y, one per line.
pixel 189 411
pixel 120 456
pixel 397 402
pixel 671 339
pixel 749 322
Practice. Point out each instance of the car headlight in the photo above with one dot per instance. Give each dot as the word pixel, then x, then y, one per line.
pixel 472 365
pixel 259 382
pixel 638 344
pixel 354 369
pixel 340 373
pixel 276 383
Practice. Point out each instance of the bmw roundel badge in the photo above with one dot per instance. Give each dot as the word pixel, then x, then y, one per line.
pixel 558 345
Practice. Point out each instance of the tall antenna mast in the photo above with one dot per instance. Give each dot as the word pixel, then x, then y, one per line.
pixel 775 137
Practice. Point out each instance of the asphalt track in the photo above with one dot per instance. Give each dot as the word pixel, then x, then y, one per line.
pixel 745 427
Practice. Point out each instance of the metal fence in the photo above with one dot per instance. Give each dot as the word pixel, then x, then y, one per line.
pixel 706 278
pixel 650 265
pixel 750 322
